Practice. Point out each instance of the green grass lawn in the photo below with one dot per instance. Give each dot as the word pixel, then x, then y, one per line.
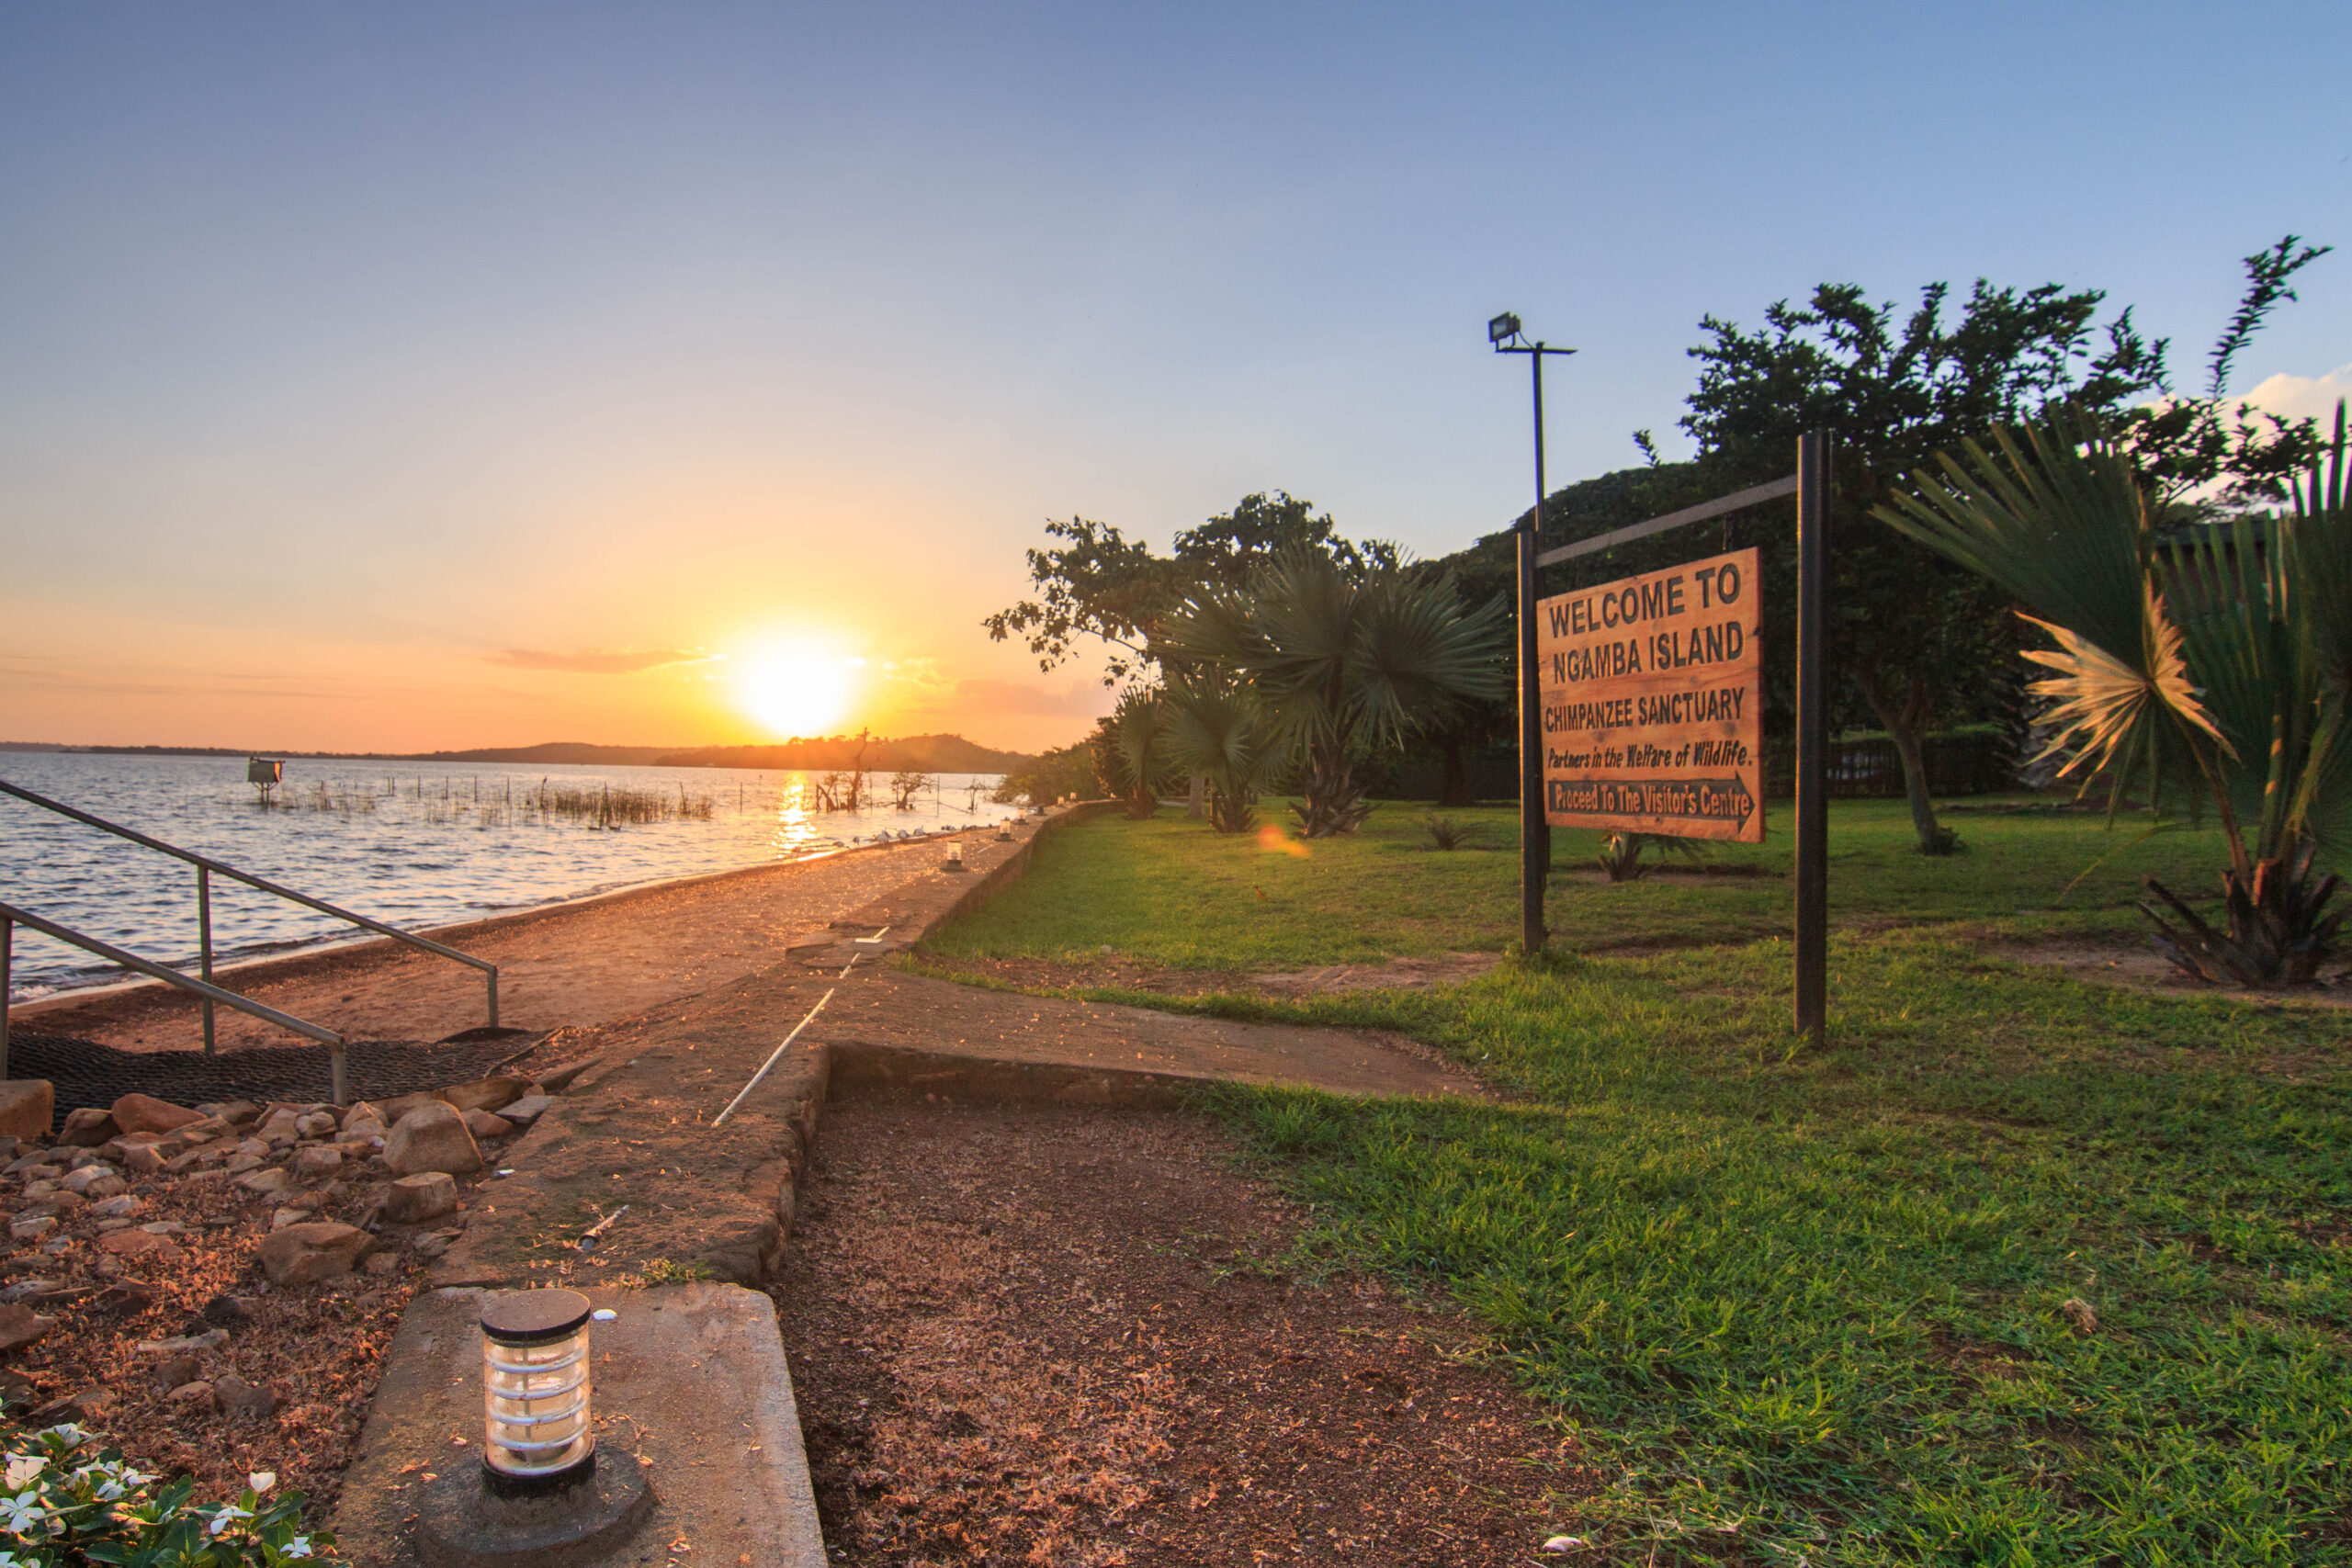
pixel 1812 1305
pixel 1168 891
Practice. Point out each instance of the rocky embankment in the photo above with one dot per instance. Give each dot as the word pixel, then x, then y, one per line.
pixel 213 1285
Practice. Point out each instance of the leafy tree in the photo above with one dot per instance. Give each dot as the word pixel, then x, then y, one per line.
pixel 1216 730
pixel 1102 586
pixel 2214 668
pixel 1915 634
pixel 1338 657
pixel 1921 640
pixel 1135 750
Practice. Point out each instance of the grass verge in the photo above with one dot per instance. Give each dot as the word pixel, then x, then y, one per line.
pixel 2017 1270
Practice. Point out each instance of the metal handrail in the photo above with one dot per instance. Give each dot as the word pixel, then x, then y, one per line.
pixel 10 916
pixel 204 867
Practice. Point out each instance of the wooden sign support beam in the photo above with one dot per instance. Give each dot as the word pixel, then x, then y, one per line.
pixel 1813 795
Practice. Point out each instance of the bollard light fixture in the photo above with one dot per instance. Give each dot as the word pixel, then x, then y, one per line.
pixel 535 1388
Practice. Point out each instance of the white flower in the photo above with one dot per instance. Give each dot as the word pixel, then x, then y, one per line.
pixel 22 1467
pixel 229 1515
pixel 262 1480
pixel 72 1437
pixel 298 1547
pixel 22 1512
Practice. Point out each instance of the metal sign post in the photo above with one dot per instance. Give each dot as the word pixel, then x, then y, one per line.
pixel 1706 808
pixel 1534 830
pixel 1812 730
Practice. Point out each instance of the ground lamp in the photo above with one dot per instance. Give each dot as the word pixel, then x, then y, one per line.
pixel 540 1497
pixel 1535 835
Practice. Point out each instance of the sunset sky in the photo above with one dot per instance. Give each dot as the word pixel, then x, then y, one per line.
pixel 413 376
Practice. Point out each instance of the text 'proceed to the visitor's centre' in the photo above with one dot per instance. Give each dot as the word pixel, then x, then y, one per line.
pixel 1652 703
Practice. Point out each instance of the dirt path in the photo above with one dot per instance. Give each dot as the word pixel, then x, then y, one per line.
pixel 572 966
pixel 1029 1334
pixel 890 1008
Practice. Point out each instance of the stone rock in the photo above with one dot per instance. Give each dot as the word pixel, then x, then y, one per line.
pixel 38 1225
pixel 26 1289
pixel 529 1109
pixel 362 1110
pixel 383 1263
pixel 435 1244
pixel 221 1311
pixel 232 1110
pixel 239 1397
pixel 145 1113
pixel 390 1111
pixel 324 1160
pixel 271 1179
pixel 25 1164
pixel 212 1339
pixel 303 1255
pixel 165 1227
pixel 191 1396
pixel 488 1124
pixel 431 1137
pixel 121 1206
pixel 80 1157
pixel 27 1107
pixel 92 1403
pixel 87 1128
pixel 283 1121
pixel 173 1371
pixel 319 1125
pixel 284 1217
pixel 483 1094
pixel 126 1294
pixel 414 1199
pixel 20 1324
pixel 362 1134
pixel 143 1159
pixel 138 1244
pixel 89 1177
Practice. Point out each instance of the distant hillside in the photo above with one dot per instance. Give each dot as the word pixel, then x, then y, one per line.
pixel 931 754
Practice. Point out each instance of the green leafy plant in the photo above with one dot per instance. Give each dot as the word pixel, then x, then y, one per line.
pixel 1135 753
pixel 68 1502
pixel 1215 729
pixel 1621 854
pixel 2207 667
pixel 1447 833
pixel 1340 657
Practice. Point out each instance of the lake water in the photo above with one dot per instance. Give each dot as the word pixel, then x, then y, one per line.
pixel 413 844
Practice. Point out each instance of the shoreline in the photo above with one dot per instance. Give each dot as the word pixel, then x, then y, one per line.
pixel 309 958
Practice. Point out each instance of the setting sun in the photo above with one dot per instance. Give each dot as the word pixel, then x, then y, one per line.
pixel 797 691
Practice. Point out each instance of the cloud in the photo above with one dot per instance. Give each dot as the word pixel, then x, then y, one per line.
pixel 625 662
pixel 2301 397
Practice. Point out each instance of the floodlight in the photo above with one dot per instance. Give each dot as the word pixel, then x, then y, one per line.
pixel 1502 329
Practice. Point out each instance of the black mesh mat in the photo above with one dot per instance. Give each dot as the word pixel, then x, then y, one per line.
pixel 87 1073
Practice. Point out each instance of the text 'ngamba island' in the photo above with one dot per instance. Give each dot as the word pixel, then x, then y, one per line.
pixel 1652 703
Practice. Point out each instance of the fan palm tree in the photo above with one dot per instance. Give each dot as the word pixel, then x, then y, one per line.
pixel 1216 732
pixel 1138 753
pixel 2212 669
pixel 1341 658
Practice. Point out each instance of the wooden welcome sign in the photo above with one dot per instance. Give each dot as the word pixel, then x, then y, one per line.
pixel 1654 704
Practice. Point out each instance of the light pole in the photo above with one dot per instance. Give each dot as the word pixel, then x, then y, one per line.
pixel 1534 833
